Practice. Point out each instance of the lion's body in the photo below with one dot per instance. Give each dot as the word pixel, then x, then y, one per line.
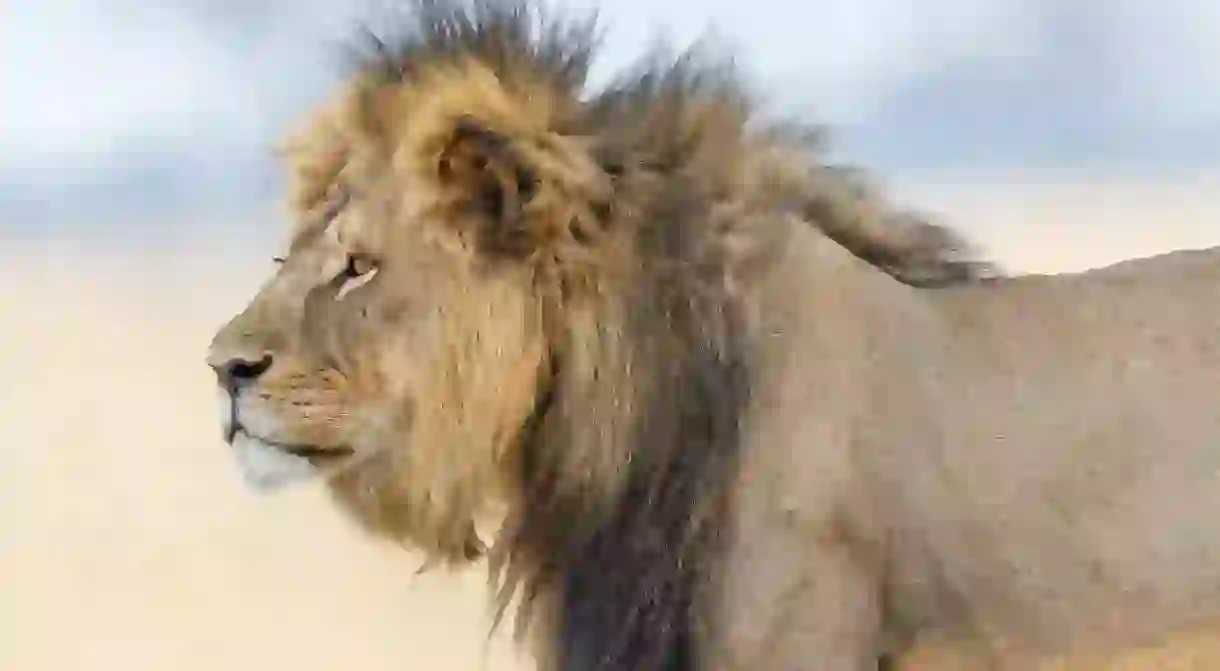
pixel 1082 458
pixel 1037 455
pixel 728 426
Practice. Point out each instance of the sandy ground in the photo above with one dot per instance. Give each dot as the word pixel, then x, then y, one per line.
pixel 129 542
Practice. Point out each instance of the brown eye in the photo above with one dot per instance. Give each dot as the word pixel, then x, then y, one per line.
pixel 360 270
pixel 358 265
pixel 278 260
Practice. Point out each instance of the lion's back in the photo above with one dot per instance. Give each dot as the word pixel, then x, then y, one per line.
pixel 1079 468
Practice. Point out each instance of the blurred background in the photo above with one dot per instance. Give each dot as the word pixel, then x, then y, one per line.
pixel 139 208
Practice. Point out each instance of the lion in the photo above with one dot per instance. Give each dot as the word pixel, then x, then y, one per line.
pixel 728 408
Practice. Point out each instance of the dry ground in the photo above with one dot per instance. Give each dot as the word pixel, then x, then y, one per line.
pixel 128 541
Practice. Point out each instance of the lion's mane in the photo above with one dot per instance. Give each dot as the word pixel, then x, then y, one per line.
pixel 622 474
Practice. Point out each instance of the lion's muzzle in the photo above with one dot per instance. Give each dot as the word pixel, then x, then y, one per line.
pixel 265 463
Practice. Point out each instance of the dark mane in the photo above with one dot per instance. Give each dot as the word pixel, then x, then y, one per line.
pixel 633 574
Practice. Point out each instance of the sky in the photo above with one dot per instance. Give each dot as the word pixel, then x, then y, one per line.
pixel 126 117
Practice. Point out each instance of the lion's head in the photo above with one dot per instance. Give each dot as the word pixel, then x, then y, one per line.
pixel 503 291
pixel 465 239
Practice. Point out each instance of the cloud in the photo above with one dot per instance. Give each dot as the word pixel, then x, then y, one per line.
pixel 87 80
pixel 1169 60
pixel 137 105
pixel 1091 86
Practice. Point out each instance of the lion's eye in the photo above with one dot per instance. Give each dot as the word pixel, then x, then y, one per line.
pixel 358 265
pixel 359 270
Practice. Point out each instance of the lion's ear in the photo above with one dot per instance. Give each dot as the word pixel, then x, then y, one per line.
pixel 490 179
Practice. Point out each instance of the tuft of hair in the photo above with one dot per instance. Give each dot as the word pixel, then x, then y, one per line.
pixel 629 205
pixel 691 110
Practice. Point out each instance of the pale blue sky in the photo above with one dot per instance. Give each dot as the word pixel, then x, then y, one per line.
pixel 125 111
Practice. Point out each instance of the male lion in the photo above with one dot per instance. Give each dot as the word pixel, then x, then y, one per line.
pixel 728 428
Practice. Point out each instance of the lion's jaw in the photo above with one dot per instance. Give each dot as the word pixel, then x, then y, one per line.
pixel 266 467
pixel 265 463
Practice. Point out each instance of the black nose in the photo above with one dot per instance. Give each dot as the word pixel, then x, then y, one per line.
pixel 237 371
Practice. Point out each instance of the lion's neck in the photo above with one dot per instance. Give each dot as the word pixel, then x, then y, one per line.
pixel 628 569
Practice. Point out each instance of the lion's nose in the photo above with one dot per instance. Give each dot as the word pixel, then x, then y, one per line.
pixel 240 370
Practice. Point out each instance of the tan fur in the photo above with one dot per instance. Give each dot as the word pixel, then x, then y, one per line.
pixel 669 342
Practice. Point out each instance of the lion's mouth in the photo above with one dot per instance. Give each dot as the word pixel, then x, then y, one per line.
pixel 312 452
pixel 315 454
pixel 268 465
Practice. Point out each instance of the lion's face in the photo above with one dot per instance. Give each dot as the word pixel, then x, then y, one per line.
pixel 387 354
pixel 450 248
pixel 298 368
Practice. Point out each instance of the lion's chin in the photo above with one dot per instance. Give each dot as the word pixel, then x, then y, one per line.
pixel 266 466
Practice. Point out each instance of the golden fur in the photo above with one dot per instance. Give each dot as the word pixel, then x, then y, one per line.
pixel 665 339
